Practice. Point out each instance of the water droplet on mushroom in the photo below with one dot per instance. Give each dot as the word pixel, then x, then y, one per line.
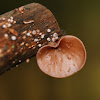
pixel 27 60
pixel 6 35
pixel 13 37
pixel 55 35
pixel 3 18
pixel 48 30
pixel 38 30
pixel 4 26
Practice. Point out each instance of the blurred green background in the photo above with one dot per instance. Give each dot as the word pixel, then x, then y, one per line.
pixel 80 18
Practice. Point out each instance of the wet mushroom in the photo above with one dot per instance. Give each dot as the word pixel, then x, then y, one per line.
pixel 63 58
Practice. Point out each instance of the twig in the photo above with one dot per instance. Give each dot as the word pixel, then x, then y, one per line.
pixel 23 31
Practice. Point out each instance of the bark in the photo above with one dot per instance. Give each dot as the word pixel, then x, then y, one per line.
pixel 18 40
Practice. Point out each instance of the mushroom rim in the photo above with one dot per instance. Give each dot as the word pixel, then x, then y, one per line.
pixel 55 45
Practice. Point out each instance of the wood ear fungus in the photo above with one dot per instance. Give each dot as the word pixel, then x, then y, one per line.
pixel 62 59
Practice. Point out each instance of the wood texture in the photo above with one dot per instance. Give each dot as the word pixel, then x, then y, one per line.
pixel 23 31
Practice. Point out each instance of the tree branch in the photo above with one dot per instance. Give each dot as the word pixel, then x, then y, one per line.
pixel 23 31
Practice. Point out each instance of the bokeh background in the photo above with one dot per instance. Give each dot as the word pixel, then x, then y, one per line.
pixel 80 18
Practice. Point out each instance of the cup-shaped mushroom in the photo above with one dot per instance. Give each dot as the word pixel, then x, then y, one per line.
pixel 63 59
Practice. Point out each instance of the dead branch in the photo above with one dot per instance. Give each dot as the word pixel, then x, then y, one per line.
pixel 23 31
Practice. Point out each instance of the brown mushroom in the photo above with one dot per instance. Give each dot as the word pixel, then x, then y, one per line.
pixel 63 58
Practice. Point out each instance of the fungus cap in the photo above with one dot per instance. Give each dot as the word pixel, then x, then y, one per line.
pixel 63 58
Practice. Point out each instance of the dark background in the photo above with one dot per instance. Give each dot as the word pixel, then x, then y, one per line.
pixel 80 18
